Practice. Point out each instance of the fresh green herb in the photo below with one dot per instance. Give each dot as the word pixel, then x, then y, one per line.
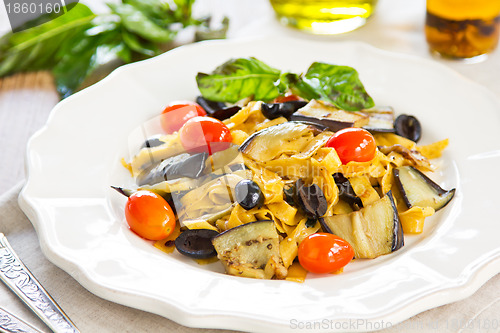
pixel 38 48
pixel 239 78
pixel 339 85
pixel 242 78
pixel 75 44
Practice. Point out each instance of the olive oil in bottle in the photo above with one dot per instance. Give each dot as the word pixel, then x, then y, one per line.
pixel 462 28
pixel 324 16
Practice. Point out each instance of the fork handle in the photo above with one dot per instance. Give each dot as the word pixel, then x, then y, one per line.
pixel 12 324
pixel 20 280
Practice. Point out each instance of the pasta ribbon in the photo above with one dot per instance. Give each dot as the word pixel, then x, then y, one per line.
pixel 391 139
pixel 433 150
pixel 246 119
pixel 412 220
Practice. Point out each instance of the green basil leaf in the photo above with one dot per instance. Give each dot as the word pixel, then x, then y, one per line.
pixel 138 22
pixel 37 47
pixel 151 8
pixel 239 78
pixel 294 82
pixel 89 50
pixel 140 46
pixel 339 85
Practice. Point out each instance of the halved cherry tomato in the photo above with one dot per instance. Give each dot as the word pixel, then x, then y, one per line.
pixel 205 134
pixel 149 215
pixel 176 114
pixel 353 144
pixel 324 253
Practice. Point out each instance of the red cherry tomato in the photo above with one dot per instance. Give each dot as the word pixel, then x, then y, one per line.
pixel 324 253
pixel 205 134
pixel 288 97
pixel 149 215
pixel 176 114
pixel 353 144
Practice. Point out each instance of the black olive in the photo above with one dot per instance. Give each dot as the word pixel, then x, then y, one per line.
pixel 208 105
pixel 311 199
pixel 408 127
pixel 289 195
pixel 196 243
pixel 152 142
pixel 292 106
pixel 346 192
pixel 310 223
pixel 270 111
pixel 248 194
pixel 285 109
pixel 225 112
pixel 217 110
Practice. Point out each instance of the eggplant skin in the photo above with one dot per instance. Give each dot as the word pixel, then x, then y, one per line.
pixel 272 141
pixel 329 116
pixel 251 250
pixel 398 240
pixel 183 165
pixel 419 190
pixel 372 231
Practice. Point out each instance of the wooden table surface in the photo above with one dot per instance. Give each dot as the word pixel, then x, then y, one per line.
pixel 25 103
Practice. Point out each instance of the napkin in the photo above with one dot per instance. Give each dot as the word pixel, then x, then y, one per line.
pixel 89 312
pixel 478 313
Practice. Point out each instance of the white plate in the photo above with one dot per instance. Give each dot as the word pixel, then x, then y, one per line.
pixel 73 161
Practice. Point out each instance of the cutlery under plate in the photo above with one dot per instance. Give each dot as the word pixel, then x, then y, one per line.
pixel 22 282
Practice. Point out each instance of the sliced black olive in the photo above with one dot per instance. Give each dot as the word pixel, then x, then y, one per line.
pixel 152 142
pixel 183 165
pixel 196 243
pixel 248 194
pixel 289 195
pixel 217 110
pixel 285 109
pixel 346 192
pixel 408 127
pixel 311 199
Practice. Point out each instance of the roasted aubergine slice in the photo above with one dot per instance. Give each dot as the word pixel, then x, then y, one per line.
pixel 329 116
pixel 419 190
pixel 290 137
pixel 372 231
pixel 251 250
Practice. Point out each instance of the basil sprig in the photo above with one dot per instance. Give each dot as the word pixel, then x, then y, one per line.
pixel 240 78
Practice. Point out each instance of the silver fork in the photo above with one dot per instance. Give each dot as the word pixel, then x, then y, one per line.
pixel 12 324
pixel 20 280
